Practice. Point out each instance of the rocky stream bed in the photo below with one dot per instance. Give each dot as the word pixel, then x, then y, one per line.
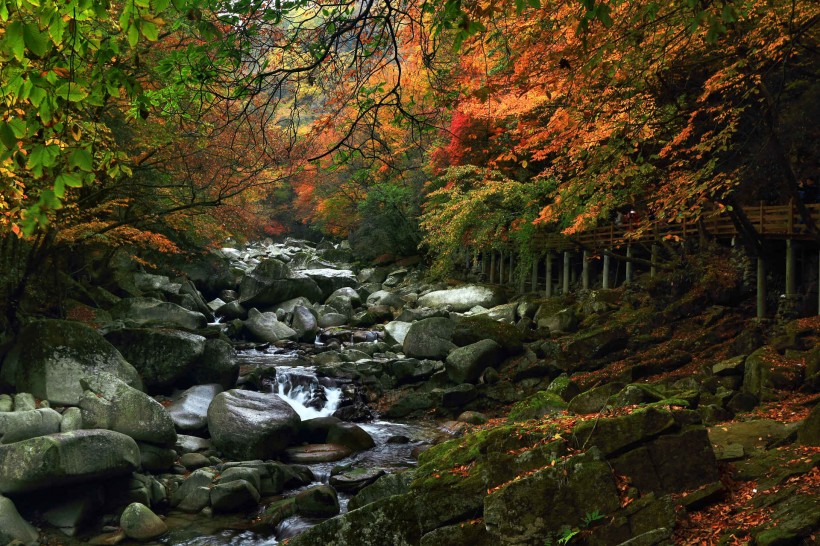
pixel 277 394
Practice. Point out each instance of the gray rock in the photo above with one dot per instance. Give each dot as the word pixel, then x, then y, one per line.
pixel 75 509
pixel 232 310
pixel 464 297
pixel 188 497
pixel 13 527
pixel 189 411
pixel 22 425
pixel 272 282
pixel 304 323
pixel 396 331
pixel 564 320
pixel 385 298
pixel 329 320
pixel 191 444
pixel 266 327
pixel 155 458
pixel 66 458
pixel 72 420
pixel 356 479
pixel 164 358
pixel 465 364
pixel 429 338
pixel 386 486
pixel 51 355
pixel 24 401
pixel 194 461
pixel 108 403
pixel 218 364
pixel 234 496
pixel 249 425
pixel 6 403
pixel 251 475
pixel 330 280
pixel 140 523
pixel 290 305
pixel 150 312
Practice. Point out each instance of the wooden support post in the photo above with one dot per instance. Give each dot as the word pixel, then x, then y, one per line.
pixel 585 271
pixel 492 266
pixel 512 269
pixel 500 267
pixel 565 287
pixel 654 270
pixel 629 264
pixel 791 273
pixel 549 275
pixel 605 281
pixel 534 274
pixel 761 287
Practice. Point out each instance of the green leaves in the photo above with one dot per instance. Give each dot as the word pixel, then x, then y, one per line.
pixel 36 41
pixel 81 158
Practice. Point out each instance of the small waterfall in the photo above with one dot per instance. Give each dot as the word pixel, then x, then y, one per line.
pixel 300 388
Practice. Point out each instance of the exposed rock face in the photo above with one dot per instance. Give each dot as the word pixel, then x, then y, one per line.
pixel 51 355
pixel 464 298
pixel 273 281
pixel 150 312
pixel 164 358
pixel 108 403
pixel 66 458
pixel 249 425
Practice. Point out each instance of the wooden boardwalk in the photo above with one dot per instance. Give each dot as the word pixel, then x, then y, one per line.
pixel 770 222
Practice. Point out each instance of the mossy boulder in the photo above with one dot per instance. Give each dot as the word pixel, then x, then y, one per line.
pixel 154 313
pixel 809 432
pixel 526 510
pixel 50 356
pixel 621 433
pixel 766 372
pixel 272 282
pixel 386 486
pixel 564 387
pixel 536 406
pixel 596 399
pixel 429 338
pixel 465 364
pixel 596 343
pixel 470 330
pixel 140 523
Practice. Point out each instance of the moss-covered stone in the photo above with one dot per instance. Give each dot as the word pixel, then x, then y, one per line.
pixel 621 433
pixel 536 406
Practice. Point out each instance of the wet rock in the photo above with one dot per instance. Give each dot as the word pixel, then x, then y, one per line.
pixel 384 487
pixel 317 453
pixel 320 501
pixel 153 313
pixel 22 425
pixel 140 523
pixel 108 403
pixel 66 458
pixel 249 425
pixel 189 496
pixel 349 435
pixel 189 411
pixel 232 310
pixel 191 444
pixel 356 479
pixel 164 358
pixel 304 323
pixel 194 461
pixel 252 475
pixel 50 355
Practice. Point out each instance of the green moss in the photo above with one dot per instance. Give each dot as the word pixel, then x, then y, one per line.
pixel 536 406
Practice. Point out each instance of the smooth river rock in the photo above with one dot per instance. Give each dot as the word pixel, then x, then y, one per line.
pixel 464 298
pixel 189 411
pixel 248 425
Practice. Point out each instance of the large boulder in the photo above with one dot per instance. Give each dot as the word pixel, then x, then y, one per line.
pixel 22 425
pixel 465 364
pixel 470 330
pixel 66 458
pixel 330 280
pixel 150 312
pixel 249 425
pixel 218 364
pixel 164 358
pixel 464 298
pixel 108 403
pixel 140 523
pixel 50 356
pixel 429 338
pixel 272 282
pixel 266 327
pixel 189 411
pixel 396 331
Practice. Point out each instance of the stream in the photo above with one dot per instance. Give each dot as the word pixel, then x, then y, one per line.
pixel 296 382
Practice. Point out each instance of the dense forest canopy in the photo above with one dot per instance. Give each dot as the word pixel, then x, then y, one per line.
pixel 399 123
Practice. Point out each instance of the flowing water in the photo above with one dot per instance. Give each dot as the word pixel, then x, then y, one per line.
pixel 310 396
